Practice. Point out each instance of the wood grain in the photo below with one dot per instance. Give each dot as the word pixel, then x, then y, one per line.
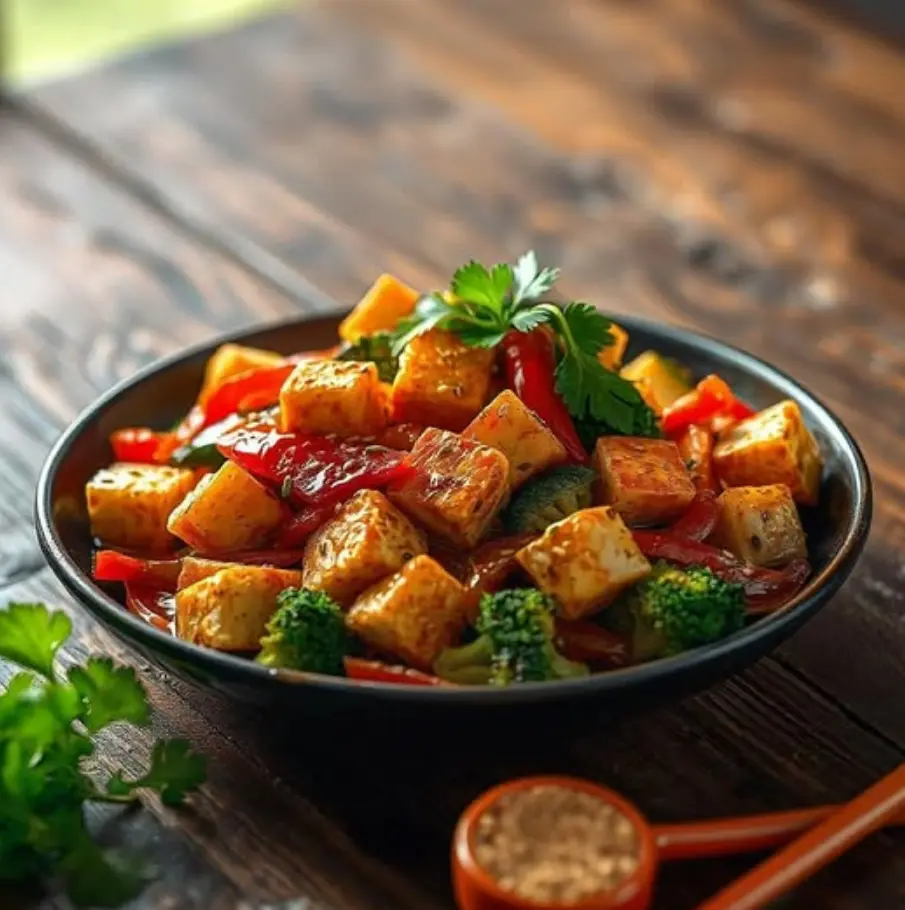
pixel 731 166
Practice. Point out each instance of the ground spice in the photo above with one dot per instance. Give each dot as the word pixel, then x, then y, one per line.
pixel 556 845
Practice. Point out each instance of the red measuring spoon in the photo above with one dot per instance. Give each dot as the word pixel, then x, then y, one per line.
pixel 476 890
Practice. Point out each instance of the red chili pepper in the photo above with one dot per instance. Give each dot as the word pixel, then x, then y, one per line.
pixel 313 470
pixel 699 519
pixel 301 526
pixel 155 606
pixel 589 643
pixel 761 585
pixel 530 362
pixel 711 398
pixel 111 565
pixel 696 448
pixel 137 445
pixel 378 671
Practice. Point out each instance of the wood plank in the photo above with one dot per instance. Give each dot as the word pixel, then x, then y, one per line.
pixel 288 814
pixel 734 167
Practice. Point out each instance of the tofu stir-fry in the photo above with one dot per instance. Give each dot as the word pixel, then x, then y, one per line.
pixel 470 488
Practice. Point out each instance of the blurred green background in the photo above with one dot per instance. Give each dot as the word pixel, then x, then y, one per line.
pixel 49 37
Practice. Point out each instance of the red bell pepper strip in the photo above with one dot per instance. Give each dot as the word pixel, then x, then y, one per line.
pixel 137 445
pixel 699 519
pixel 377 671
pixel 711 398
pixel 155 606
pixel 111 565
pixel 490 567
pixel 696 448
pixel 529 361
pixel 250 390
pixel 592 644
pixel 767 586
pixel 313 470
pixel 768 600
pixel 295 531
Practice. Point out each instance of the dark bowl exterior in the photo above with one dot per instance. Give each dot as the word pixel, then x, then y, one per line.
pixel 158 395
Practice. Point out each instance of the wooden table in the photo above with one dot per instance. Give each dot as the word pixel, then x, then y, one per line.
pixel 738 167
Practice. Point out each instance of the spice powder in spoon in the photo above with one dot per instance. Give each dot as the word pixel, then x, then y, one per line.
pixel 553 844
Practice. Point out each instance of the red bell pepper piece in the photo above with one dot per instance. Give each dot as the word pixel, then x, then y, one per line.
pixel 313 470
pixel 155 606
pixel 136 445
pixel 378 671
pixel 295 531
pixel 696 448
pixel 490 567
pixel 529 360
pixel 250 390
pixel 592 644
pixel 710 399
pixel 770 587
pixel 699 519
pixel 111 565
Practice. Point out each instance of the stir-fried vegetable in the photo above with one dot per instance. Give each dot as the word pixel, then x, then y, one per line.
pixel 467 482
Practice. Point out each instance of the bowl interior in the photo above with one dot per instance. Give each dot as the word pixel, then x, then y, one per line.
pixel 161 394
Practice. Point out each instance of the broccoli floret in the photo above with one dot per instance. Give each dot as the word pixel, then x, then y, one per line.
pixel 514 644
pixel 307 632
pixel 674 610
pixel 376 349
pixel 548 499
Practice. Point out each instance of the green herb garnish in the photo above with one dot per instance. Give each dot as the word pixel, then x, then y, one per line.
pixel 484 304
pixel 47 718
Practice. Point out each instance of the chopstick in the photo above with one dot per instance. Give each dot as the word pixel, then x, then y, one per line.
pixel 818 847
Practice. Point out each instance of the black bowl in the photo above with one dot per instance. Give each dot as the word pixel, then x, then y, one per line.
pixel 161 393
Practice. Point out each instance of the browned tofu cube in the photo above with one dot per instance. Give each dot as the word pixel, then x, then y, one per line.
pixel 386 302
pixel 229 610
pixel 336 397
pixel 529 446
pixel 584 561
pixel 644 480
pixel 441 382
pixel 456 488
pixel 412 615
pixel 771 447
pixel 129 504
pixel 196 568
pixel 367 539
pixel 761 525
pixel 228 510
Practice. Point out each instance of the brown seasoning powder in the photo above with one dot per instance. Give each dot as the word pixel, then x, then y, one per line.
pixel 556 845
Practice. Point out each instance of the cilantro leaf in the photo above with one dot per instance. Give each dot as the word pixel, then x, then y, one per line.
pixel 175 771
pixel 31 635
pixel 475 284
pixel 99 878
pixel 109 693
pixel 530 281
pixel 589 327
pixel 529 319
pixel 430 311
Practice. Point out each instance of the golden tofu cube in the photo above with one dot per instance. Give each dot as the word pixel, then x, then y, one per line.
pixel 611 356
pixel 412 615
pixel 506 424
pixel 326 397
pixel 229 610
pixel 196 568
pixel 367 539
pixel 441 382
pixel 230 360
pixel 386 302
pixel 129 504
pixel 760 525
pixel 584 561
pixel 644 480
pixel 771 447
pixel 228 510
pixel 456 488
pixel 659 380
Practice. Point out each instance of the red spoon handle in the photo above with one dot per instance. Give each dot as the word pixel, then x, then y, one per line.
pixel 816 848
pixel 746 834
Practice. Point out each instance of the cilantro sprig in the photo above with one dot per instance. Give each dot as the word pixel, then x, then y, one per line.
pixel 47 719
pixel 484 304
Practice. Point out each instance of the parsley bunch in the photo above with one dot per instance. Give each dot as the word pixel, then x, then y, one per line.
pixel 483 305
pixel 47 719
